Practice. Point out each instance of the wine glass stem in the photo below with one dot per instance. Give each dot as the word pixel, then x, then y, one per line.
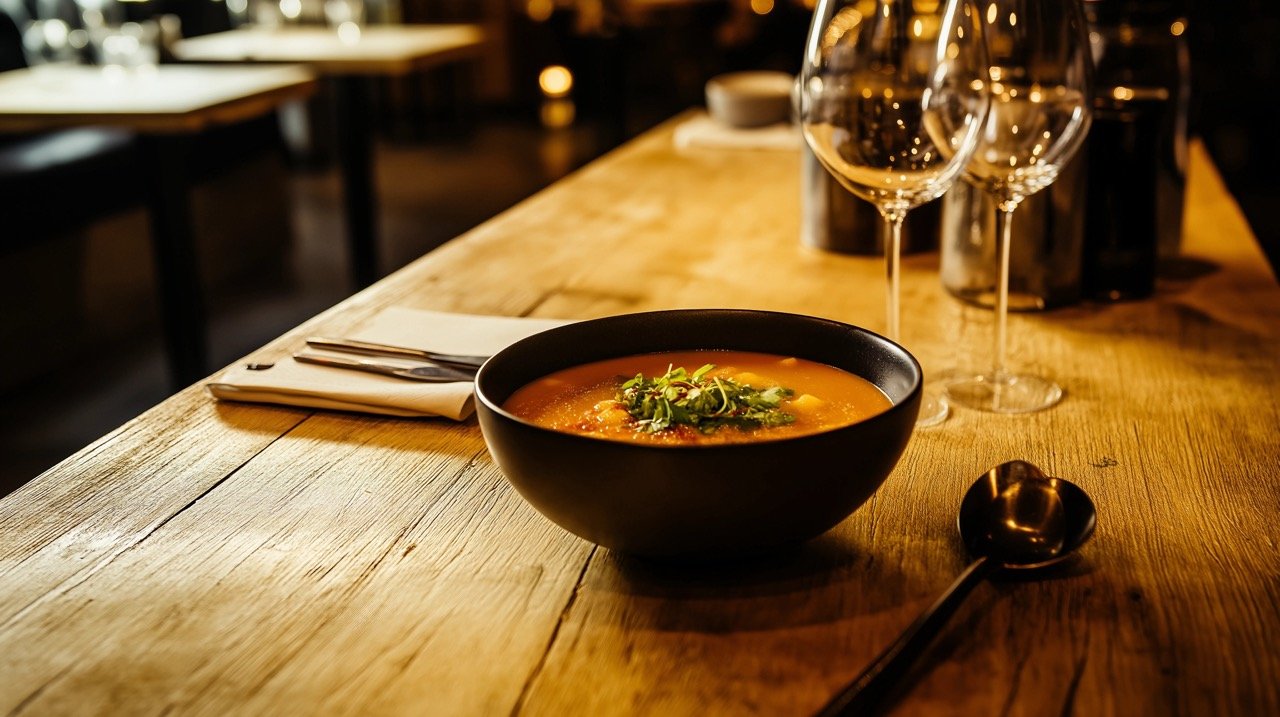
pixel 892 231
pixel 1004 220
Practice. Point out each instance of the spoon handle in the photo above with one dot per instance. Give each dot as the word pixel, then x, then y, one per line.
pixel 866 691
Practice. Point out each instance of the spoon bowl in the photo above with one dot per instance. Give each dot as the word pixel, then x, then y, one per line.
pixel 1022 519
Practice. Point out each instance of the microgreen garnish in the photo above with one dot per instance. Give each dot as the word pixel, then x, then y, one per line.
pixel 680 398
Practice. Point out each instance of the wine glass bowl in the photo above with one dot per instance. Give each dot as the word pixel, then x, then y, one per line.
pixel 1041 84
pixel 1030 133
pixel 893 94
pixel 892 99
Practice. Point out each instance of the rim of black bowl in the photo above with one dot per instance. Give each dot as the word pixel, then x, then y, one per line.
pixel 897 406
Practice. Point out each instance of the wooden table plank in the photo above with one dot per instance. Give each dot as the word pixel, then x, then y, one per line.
pixel 286 581
pixel 374 50
pixel 165 99
pixel 390 528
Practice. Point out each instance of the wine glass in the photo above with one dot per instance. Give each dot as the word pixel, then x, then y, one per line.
pixel 1041 84
pixel 892 95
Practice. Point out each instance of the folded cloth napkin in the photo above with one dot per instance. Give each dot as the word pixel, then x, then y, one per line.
pixel 292 383
pixel 701 131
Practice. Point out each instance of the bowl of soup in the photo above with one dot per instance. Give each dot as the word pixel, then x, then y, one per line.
pixel 698 433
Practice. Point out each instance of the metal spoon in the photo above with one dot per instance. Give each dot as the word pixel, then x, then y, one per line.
pixel 1014 517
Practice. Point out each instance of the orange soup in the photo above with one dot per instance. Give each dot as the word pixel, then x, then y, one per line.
pixel 702 397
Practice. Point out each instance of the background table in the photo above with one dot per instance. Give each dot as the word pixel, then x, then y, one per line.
pixel 217 557
pixel 347 63
pixel 166 105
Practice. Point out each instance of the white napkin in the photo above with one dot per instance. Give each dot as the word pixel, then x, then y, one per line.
pixel 701 131
pixel 292 383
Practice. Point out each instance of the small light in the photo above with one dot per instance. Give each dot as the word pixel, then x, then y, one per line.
pixel 762 7
pixel 291 8
pixel 991 14
pixel 348 33
pixel 1013 19
pixel 539 10
pixel 555 81
pixel 917 28
pixel 1177 28
pixel 1122 93
pixel 56 33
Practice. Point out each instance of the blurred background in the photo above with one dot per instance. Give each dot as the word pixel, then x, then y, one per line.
pixel 559 83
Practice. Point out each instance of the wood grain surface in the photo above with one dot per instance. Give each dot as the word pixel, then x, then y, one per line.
pixel 219 558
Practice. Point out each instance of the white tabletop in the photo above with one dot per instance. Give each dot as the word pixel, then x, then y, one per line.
pixel 168 98
pixel 377 49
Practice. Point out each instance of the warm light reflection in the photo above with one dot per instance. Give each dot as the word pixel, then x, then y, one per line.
pixel 291 8
pixel 55 33
pixel 555 81
pixel 1177 28
pixel 348 33
pixel 845 20
pixel 1013 19
pixel 762 7
pixel 557 113
pixel 991 14
pixel 1122 93
pixel 917 27
pixel 539 10
pixel 120 45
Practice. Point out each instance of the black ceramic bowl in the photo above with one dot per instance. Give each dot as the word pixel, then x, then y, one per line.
pixel 698 501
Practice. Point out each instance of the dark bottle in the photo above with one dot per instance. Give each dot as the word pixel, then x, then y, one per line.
pixel 1137 146
pixel 1044 252
pixel 833 219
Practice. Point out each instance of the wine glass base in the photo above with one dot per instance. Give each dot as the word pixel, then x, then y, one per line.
pixel 1004 392
pixel 934 408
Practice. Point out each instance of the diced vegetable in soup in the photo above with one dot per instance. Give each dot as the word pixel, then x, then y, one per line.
pixel 684 397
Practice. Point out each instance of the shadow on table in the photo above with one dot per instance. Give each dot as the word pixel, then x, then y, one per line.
pixel 804 585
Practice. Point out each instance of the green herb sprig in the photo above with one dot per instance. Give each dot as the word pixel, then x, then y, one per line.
pixel 680 398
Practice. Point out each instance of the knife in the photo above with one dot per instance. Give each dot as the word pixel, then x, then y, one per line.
pixel 367 348
pixel 430 374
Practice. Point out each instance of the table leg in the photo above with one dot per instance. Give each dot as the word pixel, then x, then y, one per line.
pixel 182 316
pixel 355 154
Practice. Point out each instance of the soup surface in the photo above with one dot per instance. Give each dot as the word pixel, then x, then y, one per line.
pixel 702 397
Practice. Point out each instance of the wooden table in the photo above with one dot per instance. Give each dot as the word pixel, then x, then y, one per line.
pixel 223 558
pixel 166 105
pixel 347 61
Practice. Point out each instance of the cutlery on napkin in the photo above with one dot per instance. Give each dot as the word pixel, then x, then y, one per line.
pixel 292 383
